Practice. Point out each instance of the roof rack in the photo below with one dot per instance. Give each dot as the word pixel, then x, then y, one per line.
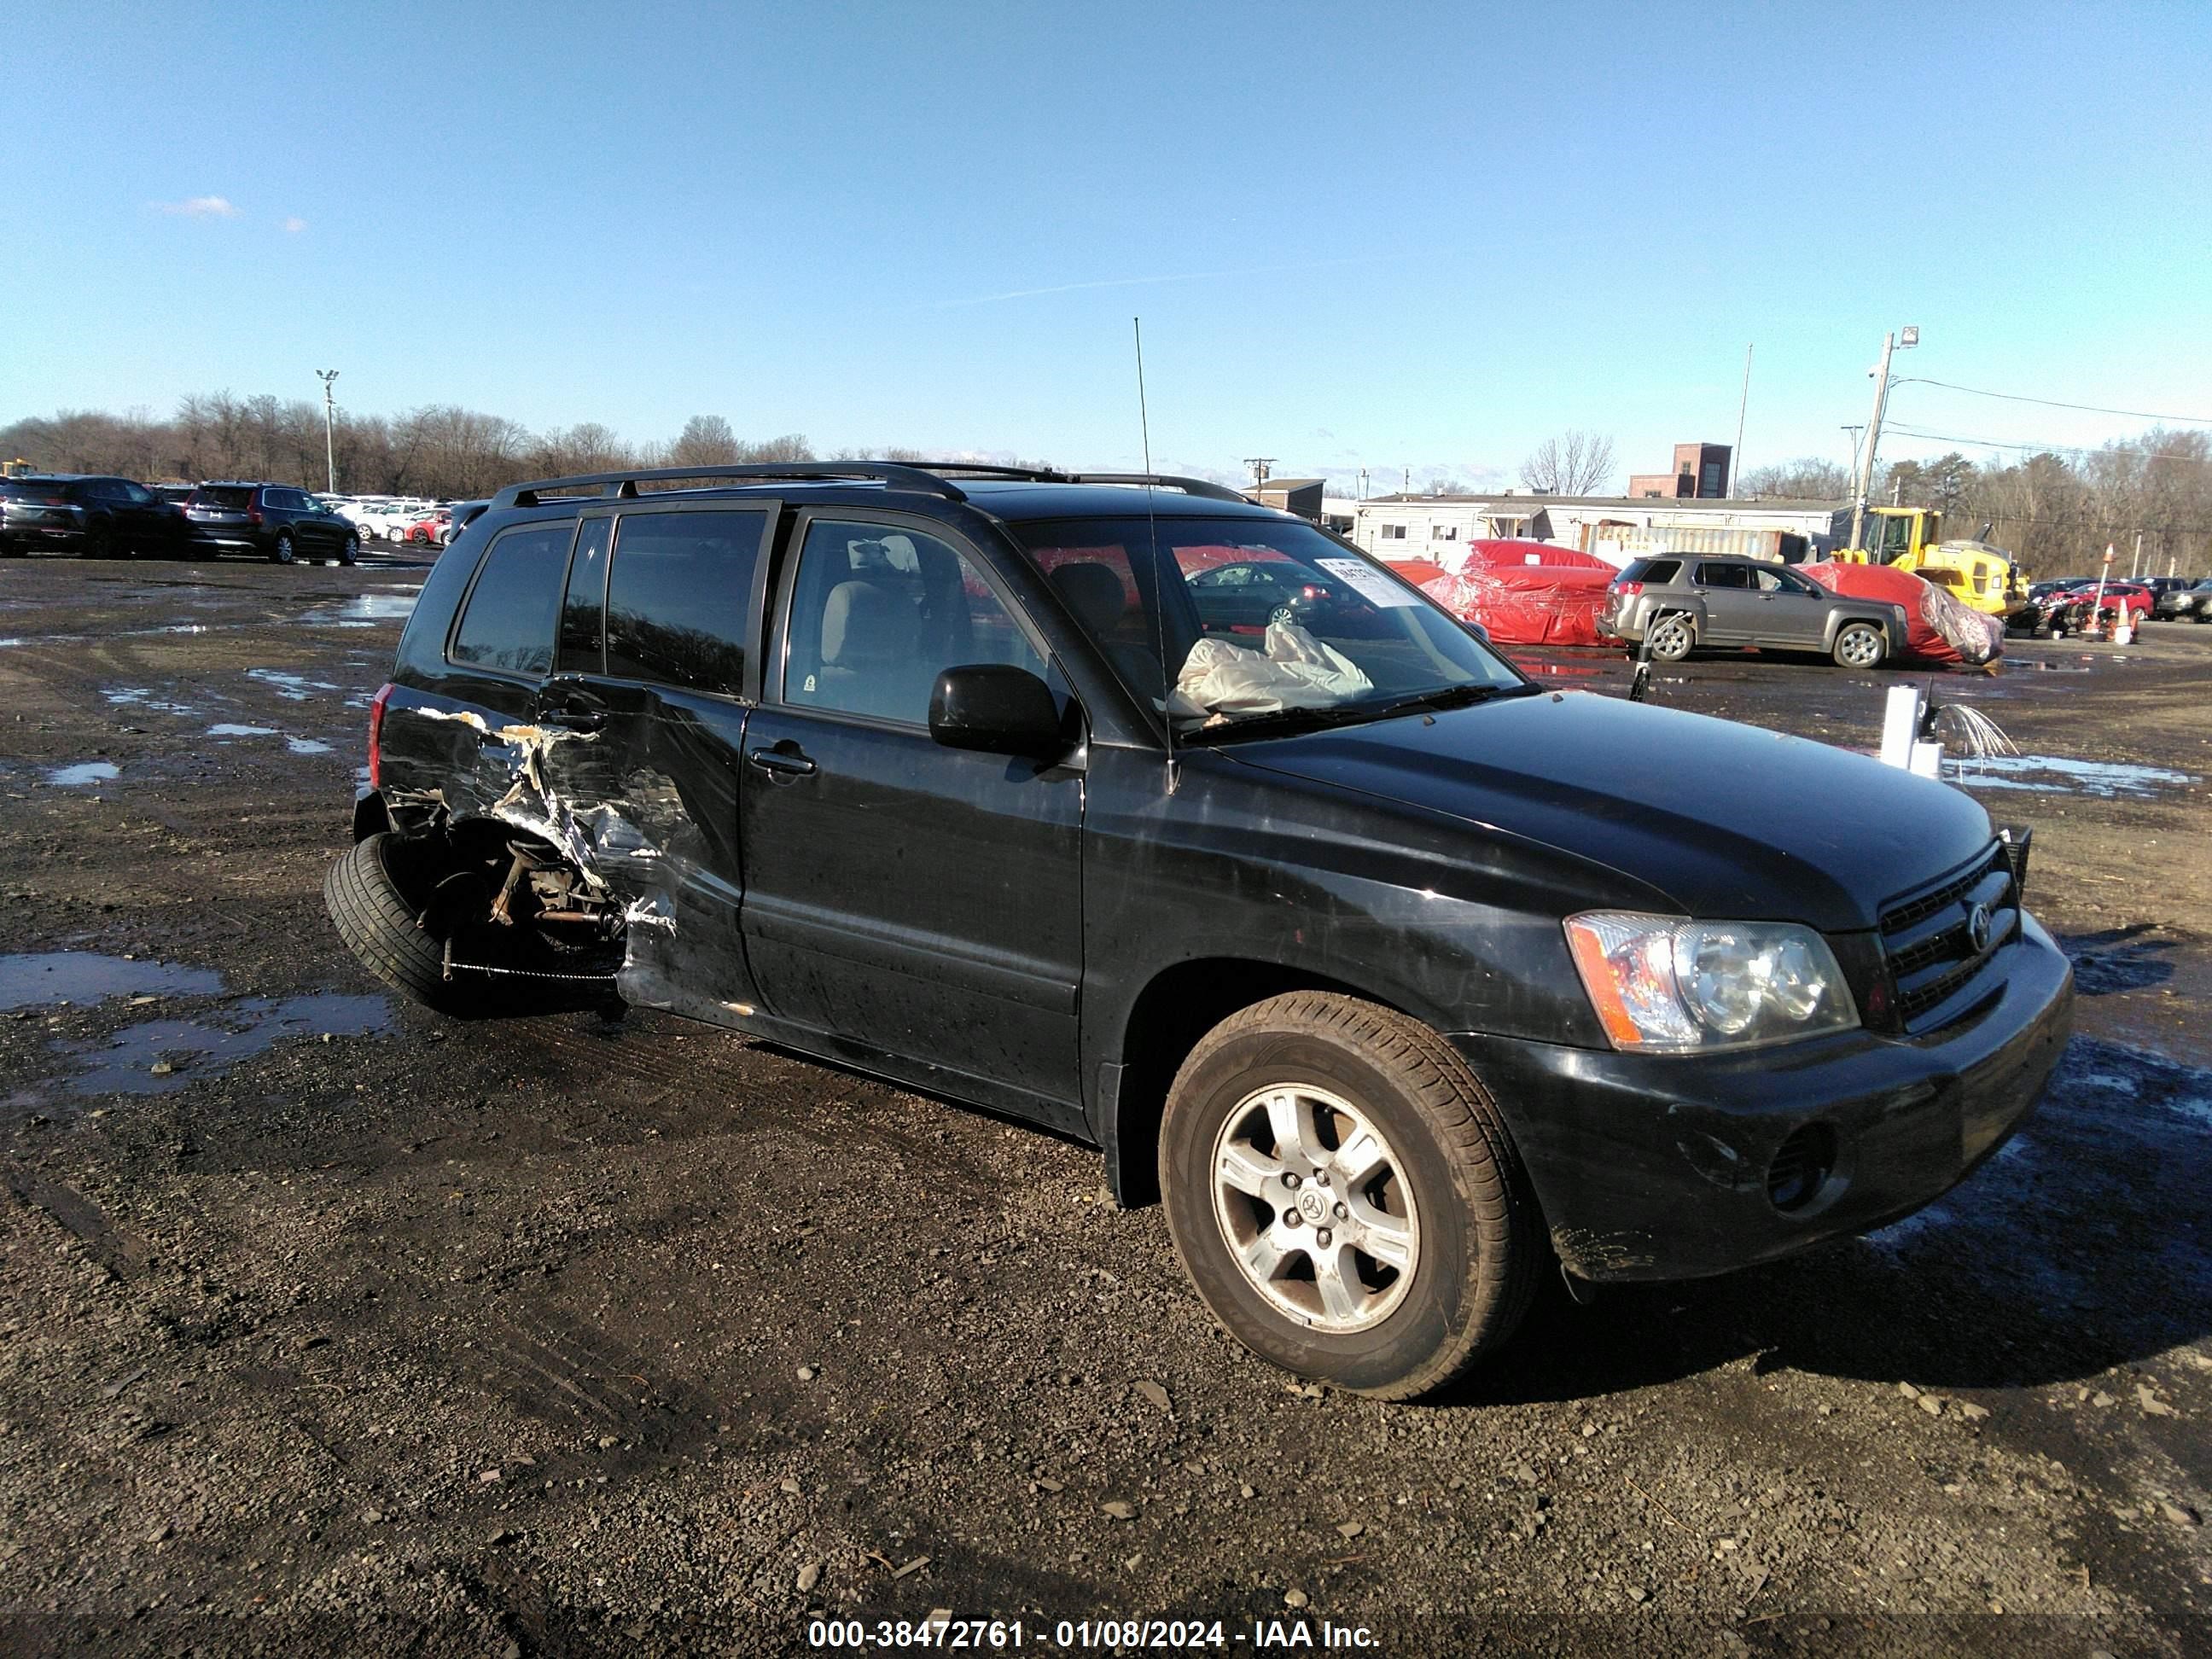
pixel 1053 475
pixel 922 477
pixel 623 485
pixel 1200 487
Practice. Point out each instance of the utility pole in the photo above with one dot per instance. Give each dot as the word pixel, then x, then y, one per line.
pixel 330 444
pixel 1889 344
pixel 1736 461
pixel 2137 560
pixel 1259 463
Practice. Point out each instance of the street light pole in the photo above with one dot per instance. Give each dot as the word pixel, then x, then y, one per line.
pixel 1889 344
pixel 330 443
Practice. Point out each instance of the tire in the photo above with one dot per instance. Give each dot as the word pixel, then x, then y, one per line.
pixel 377 920
pixel 281 551
pixel 1450 1202
pixel 1859 645
pixel 1671 637
pixel 99 543
pixel 350 549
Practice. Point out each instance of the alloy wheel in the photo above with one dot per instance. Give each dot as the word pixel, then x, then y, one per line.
pixel 1314 1208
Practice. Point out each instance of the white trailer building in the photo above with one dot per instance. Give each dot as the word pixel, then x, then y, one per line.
pixel 1615 528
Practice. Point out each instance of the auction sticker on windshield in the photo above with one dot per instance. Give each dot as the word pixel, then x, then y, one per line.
pixel 1368 583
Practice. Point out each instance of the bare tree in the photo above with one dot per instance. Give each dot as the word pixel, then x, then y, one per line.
pixel 1806 479
pixel 706 440
pixel 1573 463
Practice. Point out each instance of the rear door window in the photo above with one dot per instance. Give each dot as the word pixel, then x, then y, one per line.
pixel 679 598
pixel 1723 575
pixel 507 624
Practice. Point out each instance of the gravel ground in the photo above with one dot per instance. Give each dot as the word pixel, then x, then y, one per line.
pixel 331 1322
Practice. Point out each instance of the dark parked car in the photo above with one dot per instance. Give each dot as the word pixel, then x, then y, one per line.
pixel 1246 595
pixel 1402 980
pixel 273 521
pixel 1680 603
pixel 86 514
pixel 2189 604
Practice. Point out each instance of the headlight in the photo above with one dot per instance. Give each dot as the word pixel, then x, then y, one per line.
pixel 1662 985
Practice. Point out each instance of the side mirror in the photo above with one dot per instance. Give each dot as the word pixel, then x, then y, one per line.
pixel 998 709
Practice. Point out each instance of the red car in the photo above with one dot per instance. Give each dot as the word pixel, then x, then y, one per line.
pixel 2070 608
pixel 429 530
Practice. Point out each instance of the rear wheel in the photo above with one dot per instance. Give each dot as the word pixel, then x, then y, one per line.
pixel 1671 637
pixel 419 918
pixel 1859 645
pixel 1346 1196
pixel 282 551
pixel 350 549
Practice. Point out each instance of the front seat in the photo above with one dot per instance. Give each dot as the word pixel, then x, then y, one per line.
pixel 870 640
pixel 1094 593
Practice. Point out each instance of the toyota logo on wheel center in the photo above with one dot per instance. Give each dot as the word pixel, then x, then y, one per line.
pixel 1313 1204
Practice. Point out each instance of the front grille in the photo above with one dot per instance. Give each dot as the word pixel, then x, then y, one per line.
pixel 1928 937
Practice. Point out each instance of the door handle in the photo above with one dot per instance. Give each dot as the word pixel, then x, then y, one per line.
pixel 780 763
pixel 572 719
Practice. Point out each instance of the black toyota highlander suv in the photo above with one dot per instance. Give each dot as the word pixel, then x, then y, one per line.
pixel 1400 979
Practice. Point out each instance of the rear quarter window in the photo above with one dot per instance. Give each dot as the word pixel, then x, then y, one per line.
pixel 1656 571
pixel 506 624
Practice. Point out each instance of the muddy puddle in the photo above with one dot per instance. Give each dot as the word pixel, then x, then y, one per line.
pixel 141 696
pixel 365 610
pixel 293 688
pixel 2055 774
pixel 163 1054
pixel 83 772
pixel 76 978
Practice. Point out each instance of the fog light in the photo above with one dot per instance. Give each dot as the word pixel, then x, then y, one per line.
pixel 1801 1167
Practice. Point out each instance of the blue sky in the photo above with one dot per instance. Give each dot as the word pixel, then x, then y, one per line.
pixel 1419 236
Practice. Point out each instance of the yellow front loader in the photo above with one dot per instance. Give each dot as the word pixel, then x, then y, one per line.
pixel 1911 538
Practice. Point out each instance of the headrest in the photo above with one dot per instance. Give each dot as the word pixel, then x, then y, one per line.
pixel 865 622
pixel 1094 592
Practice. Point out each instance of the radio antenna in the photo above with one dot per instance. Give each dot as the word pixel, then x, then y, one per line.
pixel 1159 570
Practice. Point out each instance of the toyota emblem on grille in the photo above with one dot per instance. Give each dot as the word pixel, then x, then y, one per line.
pixel 1979 923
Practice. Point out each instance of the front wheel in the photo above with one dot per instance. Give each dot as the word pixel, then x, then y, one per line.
pixel 1860 645
pixel 1346 1196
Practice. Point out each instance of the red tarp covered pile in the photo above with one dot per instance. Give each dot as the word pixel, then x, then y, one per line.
pixel 1521 593
pixel 1938 628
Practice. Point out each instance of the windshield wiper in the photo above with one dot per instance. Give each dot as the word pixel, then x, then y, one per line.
pixel 1279 721
pixel 1449 696
pixel 1275 722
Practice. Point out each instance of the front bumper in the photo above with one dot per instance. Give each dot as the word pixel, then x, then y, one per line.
pixel 1655 1167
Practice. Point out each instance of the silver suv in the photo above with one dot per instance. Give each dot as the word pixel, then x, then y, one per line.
pixel 1679 602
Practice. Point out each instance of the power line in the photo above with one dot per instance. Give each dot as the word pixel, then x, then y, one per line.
pixel 2053 402
pixel 2038 449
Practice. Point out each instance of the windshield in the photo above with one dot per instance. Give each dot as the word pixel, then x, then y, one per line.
pixel 1267 623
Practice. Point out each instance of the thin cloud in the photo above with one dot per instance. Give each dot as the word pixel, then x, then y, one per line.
pixel 200 207
pixel 1146 281
pixel 295 225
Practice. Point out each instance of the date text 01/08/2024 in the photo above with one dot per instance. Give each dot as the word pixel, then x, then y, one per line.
pixel 1168 1634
